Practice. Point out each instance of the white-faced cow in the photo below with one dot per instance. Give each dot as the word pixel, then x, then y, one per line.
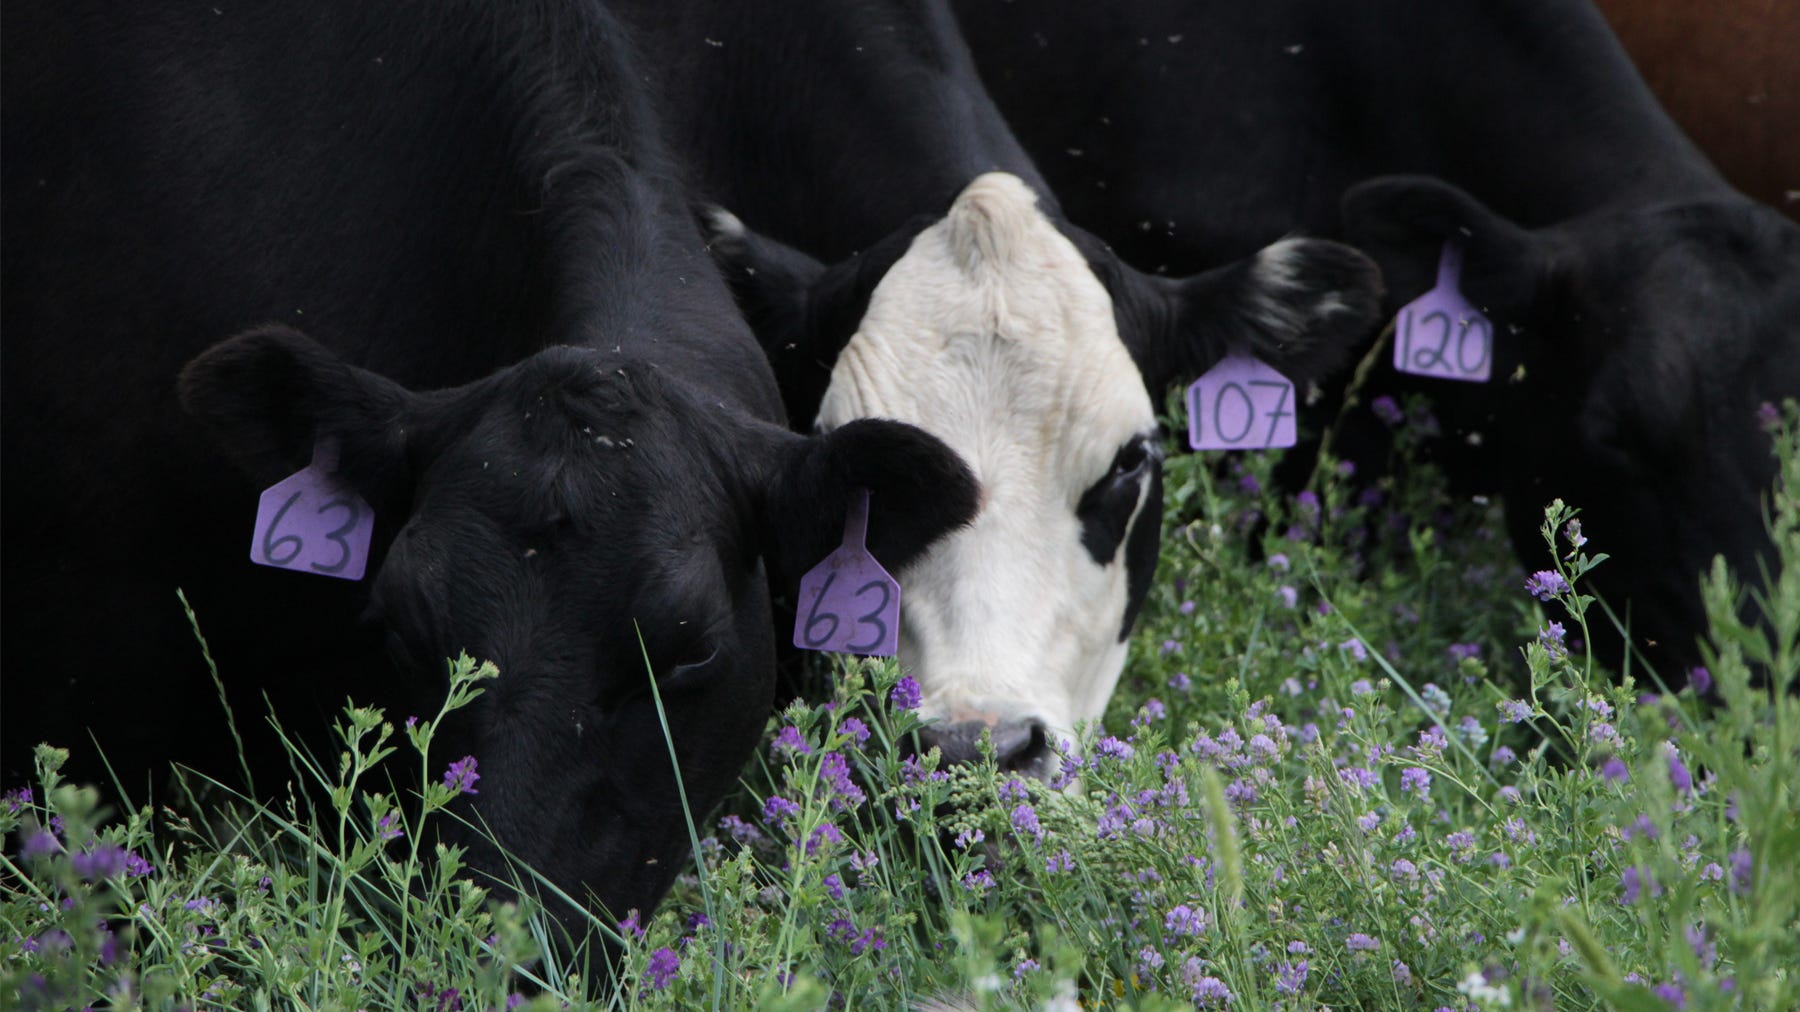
pixel 1644 310
pixel 521 353
pixel 845 131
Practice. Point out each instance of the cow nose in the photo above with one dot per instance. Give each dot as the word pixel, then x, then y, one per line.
pixel 1020 746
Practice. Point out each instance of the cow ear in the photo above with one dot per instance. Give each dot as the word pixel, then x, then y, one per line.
pixel 803 312
pixel 1299 305
pixel 1403 222
pixel 268 395
pixel 919 490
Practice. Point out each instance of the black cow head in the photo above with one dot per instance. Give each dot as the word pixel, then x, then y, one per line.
pixel 1635 348
pixel 546 518
pixel 1023 343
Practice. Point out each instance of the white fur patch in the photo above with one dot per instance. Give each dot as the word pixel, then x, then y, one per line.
pixel 993 334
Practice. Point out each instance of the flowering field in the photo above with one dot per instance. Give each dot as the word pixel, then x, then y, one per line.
pixel 1359 759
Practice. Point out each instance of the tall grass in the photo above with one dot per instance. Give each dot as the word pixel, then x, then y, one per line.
pixel 1354 762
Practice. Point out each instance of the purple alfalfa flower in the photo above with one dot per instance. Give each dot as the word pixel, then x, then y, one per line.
pixel 1572 534
pixel 412 722
pixel 834 772
pixel 1062 860
pixel 388 827
pixel 1361 687
pixel 978 881
pixel 1615 770
pixel 1701 679
pixel 1354 647
pixel 1180 682
pixel 1185 921
pixel 1416 780
pixel 661 968
pixel 1712 872
pixel 1250 485
pixel 461 775
pixel 1514 711
pixel 1170 647
pixel 1471 731
pixel 1152 710
pixel 1290 978
pixel 1550 637
pixel 1502 756
pixel 1013 789
pixel 1671 993
pixel 777 810
pixel 1461 844
pixel 38 842
pixel 1187 607
pixel 854 730
pixel 99 862
pixel 1436 699
pixel 968 838
pixel 1025 823
pixel 1632 882
pixel 1308 502
pixel 1279 561
pixel 741 831
pixel 632 925
pixel 1432 742
pixel 1742 871
pixel 1700 940
pixel 789 742
pixel 1290 598
pixel 1680 777
pixel 834 886
pixel 514 1000
pixel 449 1000
pixel 1768 416
pixel 1460 652
pixel 1023 967
pixel 1359 777
pixel 1369 822
pixel 1403 974
pixel 905 693
pixel 1359 942
pixel 1211 992
pixel 1112 748
pixel 826 834
pixel 1545 584
pixel 16 799
pixel 136 866
pixel 1149 960
pixel 1387 410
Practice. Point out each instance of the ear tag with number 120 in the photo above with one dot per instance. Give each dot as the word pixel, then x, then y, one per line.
pixel 311 522
pixel 1441 333
pixel 848 603
pixel 1241 403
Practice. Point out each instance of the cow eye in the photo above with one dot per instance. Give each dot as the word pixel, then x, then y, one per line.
pixel 1132 459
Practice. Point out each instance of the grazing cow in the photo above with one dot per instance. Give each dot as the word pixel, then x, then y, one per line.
pixel 845 130
pixel 1729 74
pixel 521 357
pixel 1644 309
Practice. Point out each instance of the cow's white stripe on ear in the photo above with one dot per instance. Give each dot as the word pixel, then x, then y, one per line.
pixel 993 334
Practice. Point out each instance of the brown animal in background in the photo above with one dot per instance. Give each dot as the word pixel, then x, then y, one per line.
pixel 1728 71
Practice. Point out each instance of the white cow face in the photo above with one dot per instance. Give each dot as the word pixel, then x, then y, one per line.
pixel 992 333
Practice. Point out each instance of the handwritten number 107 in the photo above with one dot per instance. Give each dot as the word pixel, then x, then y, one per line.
pixel 1248 406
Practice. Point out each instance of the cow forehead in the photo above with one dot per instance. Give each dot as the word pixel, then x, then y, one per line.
pixel 993 333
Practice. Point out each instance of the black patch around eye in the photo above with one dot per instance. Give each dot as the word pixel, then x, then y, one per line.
pixel 1105 509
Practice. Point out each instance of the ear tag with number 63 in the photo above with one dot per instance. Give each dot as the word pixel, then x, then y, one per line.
pixel 848 603
pixel 311 522
pixel 1441 333
pixel 1241 403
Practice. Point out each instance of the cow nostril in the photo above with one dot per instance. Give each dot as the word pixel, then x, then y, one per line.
pixel 1020 746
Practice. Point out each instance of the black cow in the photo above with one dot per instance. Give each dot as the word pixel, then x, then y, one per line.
pixel 858 133
pixel 521 353
pixel 1645 310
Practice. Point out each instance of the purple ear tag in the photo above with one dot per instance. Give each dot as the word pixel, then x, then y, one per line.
pixel 1241 403
pixel 311 522
pixel 848 603
pixel 1441 333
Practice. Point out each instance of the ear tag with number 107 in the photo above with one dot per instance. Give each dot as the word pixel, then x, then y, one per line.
pixel 1241 403
pixel 311 522
pixel 1441 333
pixel 848 603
